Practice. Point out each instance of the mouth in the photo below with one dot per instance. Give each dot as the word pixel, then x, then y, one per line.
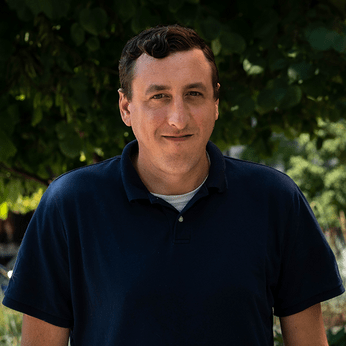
pixel 177 138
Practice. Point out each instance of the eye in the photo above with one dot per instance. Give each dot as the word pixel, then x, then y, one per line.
pixel 194 93
pixel 158 96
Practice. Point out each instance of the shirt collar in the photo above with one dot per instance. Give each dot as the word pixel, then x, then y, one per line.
pixel 136 190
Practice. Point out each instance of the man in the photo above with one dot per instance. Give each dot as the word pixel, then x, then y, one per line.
pixel 172 243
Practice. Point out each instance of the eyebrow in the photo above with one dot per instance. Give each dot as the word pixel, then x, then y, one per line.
pixel 156 87
pixel 159 87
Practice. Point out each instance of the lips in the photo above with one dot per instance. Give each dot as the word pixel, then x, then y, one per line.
pixel 177 138
pixel 184 136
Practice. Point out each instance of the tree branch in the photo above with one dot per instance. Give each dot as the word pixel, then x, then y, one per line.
pixel 26 175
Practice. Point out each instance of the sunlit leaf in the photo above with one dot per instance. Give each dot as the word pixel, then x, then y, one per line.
pixel 3 210
pixel 300 71
pixel 253 67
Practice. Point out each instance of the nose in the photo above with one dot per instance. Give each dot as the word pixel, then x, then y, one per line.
pixel 178 116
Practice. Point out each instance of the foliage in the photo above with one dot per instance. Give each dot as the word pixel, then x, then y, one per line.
pixel 320 170
pixel 282 65
pixel 10 326
pixel 337 338
pixel 317 163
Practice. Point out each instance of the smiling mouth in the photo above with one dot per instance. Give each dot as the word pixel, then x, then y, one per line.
pixel 178 137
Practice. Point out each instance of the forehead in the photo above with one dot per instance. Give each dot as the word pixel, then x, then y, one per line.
pixel 180 68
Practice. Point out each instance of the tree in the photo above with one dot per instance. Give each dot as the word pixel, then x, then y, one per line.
pixel 318 165
pixel 282 67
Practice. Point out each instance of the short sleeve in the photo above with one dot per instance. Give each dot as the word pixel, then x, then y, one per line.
pixel 308 272
pixel 40 285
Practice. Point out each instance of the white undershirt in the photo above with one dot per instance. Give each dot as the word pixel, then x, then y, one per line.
pixel 180 201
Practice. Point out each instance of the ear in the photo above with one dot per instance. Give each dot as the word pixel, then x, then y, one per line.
pixel 217 104
pixel 124 108
pixel 217 109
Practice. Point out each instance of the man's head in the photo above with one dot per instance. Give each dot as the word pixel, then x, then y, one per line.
pixel 159 42
pixel 169 98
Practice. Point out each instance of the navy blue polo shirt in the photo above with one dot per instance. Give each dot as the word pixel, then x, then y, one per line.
pixel 121 267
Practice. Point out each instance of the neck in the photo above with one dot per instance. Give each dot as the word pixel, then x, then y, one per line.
pixel 171 183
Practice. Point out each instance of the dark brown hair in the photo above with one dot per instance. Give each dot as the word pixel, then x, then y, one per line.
pixel 159 42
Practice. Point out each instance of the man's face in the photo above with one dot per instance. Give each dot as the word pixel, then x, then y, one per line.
pixel 172 111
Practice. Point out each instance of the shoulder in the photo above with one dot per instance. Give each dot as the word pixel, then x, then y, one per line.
pixel 259 177
pixel 86 179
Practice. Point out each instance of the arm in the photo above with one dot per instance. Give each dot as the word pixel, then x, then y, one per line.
pixel 305 328
pixel 36 332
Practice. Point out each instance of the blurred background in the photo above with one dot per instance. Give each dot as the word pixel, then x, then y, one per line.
pixel 282 67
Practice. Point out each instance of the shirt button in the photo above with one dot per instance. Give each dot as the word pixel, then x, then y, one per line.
pixel 181 219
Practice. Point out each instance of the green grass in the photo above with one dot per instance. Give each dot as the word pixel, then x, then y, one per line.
pixel 10 326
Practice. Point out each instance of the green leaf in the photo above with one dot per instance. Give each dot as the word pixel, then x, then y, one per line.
pixel 126 9
pixel 279 64
pixel 276 60
pixel 292 98
pixel 267 100
pixel 300 71
pixel 7 148
pixel 62 130
pixel 77 34
pixel 13 113
pixel 266 24
pixel 53 9
pixel 245 106
pixel 93 21
pixel 3 211
pixel 211 28
pixel 320 38
pixel 37 116
pixel 63 64
pixel 313 87
pixel 9 118
pixel 216 47
pixel 253 66
pixel 71 146
pixel 175 5
pixel 23 11
pixel 232 43
pixel 339 43
pixel 14 189
pixel 6 50
pixel 143 19
pixel 93 44
pixel 36 6
pixel 187 14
